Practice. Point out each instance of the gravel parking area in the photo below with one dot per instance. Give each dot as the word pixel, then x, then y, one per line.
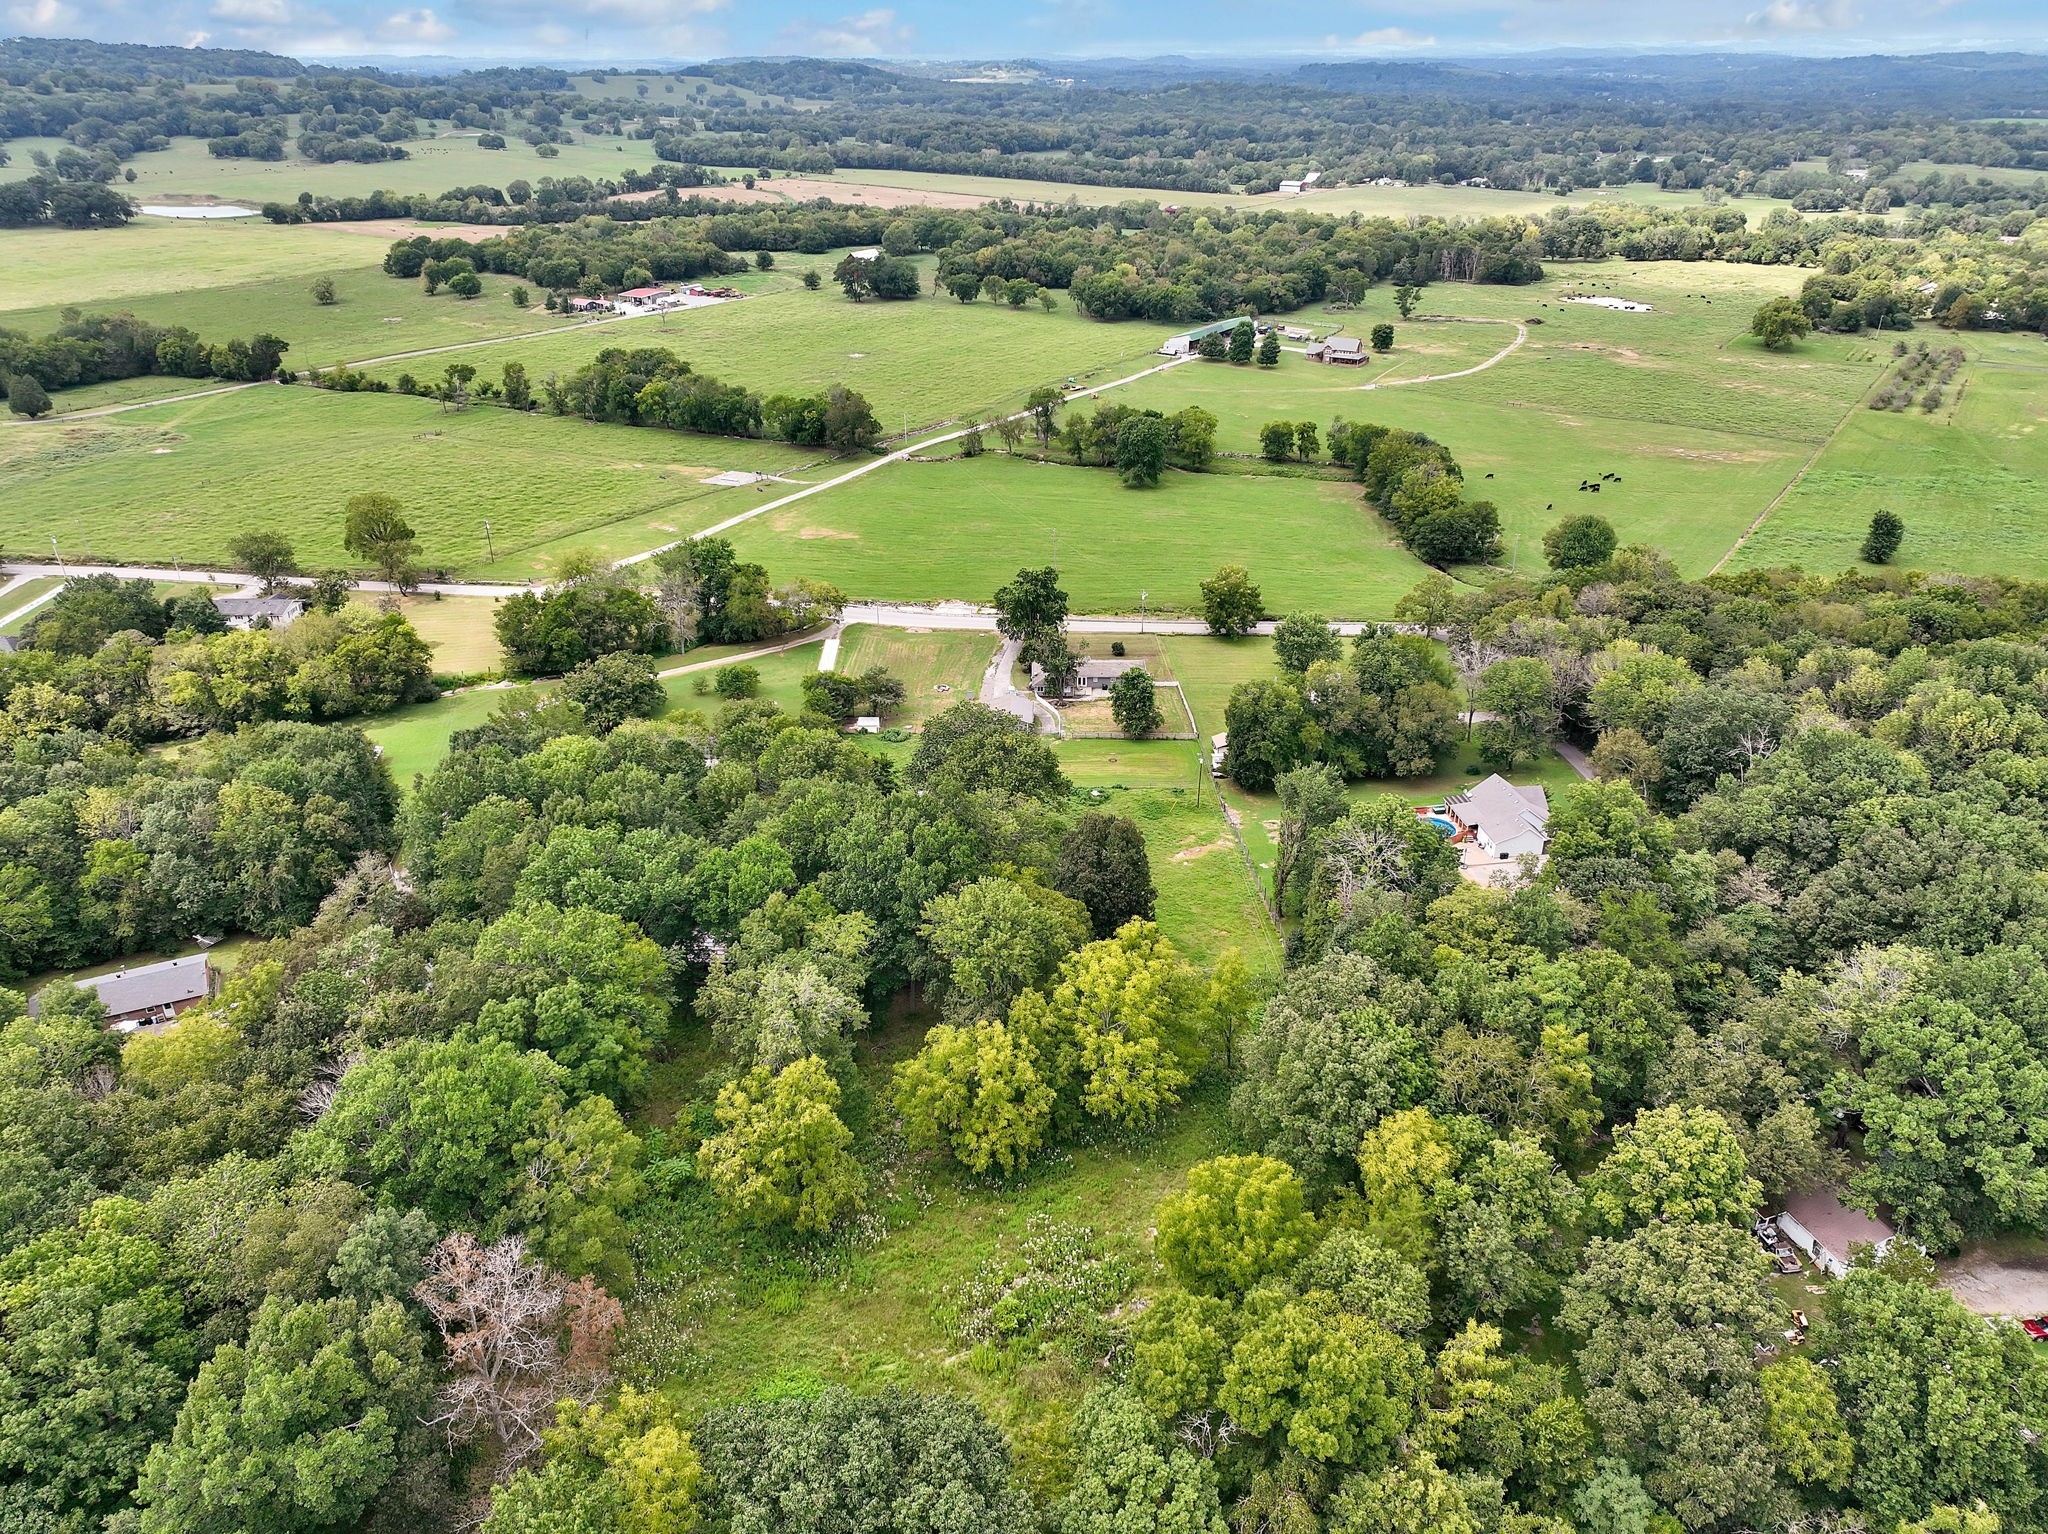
pixel 2003 1285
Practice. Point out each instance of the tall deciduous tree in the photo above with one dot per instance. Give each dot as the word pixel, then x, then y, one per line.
pixel 1231 602
pixel 781 1155
pixel 1239 1219
pixel 297 1429
pixel 1102 864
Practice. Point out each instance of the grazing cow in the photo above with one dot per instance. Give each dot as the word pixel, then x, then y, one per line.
pixel 1489 476
pixel 1550 505
pixel 1594 488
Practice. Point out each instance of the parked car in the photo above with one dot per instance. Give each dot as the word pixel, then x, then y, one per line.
pixel 2036 1328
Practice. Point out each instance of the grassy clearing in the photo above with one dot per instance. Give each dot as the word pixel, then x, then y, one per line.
pixel 414 739
pixel 48 269
pixel 1207 901
pixel 460 629
pixel 962 527
pixel 1970 480
pixel 876 1318
pixel 176 483
pixel 1703 425
pixel 918 362
pixel 938 668
pixel 782 678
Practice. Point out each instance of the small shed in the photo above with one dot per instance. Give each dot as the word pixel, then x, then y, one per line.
pixel 868 724
pixel 866 253
pixel 151 995
pixel 1828 1231
pixel 265 612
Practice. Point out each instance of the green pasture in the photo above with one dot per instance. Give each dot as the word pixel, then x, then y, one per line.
pixel 959 528
pixel 1703 425
pixel 16 611
pixel 1422 201
pixel 165 260
pixel 917 361
pixel 1971 480
pixel 174 484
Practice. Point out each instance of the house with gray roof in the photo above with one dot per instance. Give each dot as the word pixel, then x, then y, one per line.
pixel 151 995
pixel 1092 678
pixel 260 612
pixel 1501 817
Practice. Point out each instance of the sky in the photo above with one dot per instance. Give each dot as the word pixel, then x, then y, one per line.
pixel 624 31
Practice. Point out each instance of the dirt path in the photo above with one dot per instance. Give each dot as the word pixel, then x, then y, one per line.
pixel 1521 339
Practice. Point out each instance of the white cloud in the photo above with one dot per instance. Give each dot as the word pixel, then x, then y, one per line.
pixel 1382 37
pixel 420 26
pixel 1803 16
pixel 40 15
pixel 252 13
pixel 871 32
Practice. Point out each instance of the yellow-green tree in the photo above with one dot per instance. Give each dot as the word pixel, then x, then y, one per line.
pixel 781 1155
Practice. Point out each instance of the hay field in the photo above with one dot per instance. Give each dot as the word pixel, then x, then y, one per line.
pixel 175 483
pixel 1971 480
pixel 961 527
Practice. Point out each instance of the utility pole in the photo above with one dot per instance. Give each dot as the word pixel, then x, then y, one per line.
pixel 488 544
pixel 53 549
pixel 1141 611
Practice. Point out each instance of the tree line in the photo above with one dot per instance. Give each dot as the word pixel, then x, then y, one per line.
pixel 97 348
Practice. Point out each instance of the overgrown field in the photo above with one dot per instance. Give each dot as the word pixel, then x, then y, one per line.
pixel 1970 480
pixel 961 527
pixel 918 362
pixel 1703 425
pixel 173 484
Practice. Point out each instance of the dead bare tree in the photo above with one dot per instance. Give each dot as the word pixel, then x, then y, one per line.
pixel 519 1338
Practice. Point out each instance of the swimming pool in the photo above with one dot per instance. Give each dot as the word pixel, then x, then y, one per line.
pixel 1443 823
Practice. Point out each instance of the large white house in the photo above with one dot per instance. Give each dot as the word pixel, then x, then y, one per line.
pixel 1505 819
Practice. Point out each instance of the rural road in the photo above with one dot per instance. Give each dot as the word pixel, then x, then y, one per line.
pixel 898 456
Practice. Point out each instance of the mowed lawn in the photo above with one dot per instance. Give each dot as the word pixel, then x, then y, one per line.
pixel 174 484
pixel 917 361
pixel 1971 480
pixel 959 528
pixel 1702 424
pixel 938 668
